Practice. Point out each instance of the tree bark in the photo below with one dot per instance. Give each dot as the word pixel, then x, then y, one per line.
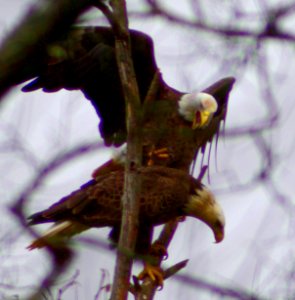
pixel 43 23
pixel 129 225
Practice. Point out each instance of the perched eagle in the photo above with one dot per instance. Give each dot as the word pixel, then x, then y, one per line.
pixel 171 134
pixel 166 194
pixel 84 59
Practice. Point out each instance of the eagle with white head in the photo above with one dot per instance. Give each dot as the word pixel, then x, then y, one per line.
pixel 197 108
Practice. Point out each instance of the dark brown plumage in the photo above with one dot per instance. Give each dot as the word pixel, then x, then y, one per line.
pixel 166 193
pixel 85 59
pixel 165 127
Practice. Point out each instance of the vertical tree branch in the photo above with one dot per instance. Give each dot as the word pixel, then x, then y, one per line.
pixel 129 226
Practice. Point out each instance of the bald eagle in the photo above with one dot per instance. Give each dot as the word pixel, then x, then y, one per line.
pixel 84 59
pixel 166 194
pixel 174 130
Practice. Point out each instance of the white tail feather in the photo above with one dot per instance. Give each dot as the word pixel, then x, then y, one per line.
pixel 57 233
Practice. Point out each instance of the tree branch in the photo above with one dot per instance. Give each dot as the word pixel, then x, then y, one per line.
pixel 270 31
pixel 43 23
pixel 61 256
pixel 148 288
pixel 129 225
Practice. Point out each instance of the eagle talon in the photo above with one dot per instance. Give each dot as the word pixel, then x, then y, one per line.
pixel 162 154
pixel 154 273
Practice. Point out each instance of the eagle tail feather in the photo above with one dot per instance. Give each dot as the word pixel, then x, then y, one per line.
pixel 58 234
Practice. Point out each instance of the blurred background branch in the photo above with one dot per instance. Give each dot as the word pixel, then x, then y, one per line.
pixel 196 42
pixel 43 23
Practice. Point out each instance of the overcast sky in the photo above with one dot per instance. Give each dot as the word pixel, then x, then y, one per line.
pixel 257 253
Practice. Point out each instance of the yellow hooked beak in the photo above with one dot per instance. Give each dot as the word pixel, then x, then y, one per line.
pixel 201 119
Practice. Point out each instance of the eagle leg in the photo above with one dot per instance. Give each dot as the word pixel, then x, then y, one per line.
pixel 155 154
pixel 158 250
pixel 155 273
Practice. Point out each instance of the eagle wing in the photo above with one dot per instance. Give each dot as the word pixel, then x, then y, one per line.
pixel 84 59
pixel 97 203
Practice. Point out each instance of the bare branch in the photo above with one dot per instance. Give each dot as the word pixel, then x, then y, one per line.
pixel 129 225
pixel 69 284
pixel 175 269
pixel 43 23
pixel 61 256
pixel 147 289
pixel 233 293
pixel 270 31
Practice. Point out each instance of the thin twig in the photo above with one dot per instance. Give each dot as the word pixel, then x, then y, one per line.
pixel 270 31
pixel 61 256
pixel 71 282
pixel 217 289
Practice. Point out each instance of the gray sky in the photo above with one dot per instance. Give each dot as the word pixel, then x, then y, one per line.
pixel 257 253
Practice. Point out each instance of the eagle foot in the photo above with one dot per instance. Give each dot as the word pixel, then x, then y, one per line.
pixel 155 273
pixel 155 154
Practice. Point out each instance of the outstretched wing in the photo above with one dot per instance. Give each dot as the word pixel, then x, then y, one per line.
pixel 84 59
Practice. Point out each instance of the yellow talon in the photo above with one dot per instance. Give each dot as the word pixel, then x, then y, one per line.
pixel 154 273
pixel 161 153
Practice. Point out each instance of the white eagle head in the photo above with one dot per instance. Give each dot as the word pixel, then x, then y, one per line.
pixel 203 206
pixel 197 108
